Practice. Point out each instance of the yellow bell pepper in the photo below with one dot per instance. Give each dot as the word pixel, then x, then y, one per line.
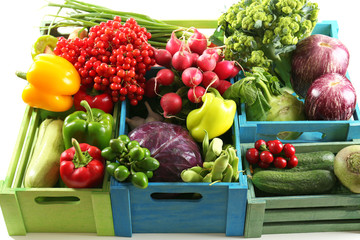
pixel 52 82
pixel 216 116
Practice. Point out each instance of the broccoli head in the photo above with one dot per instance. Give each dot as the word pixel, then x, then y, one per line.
pixel 263 33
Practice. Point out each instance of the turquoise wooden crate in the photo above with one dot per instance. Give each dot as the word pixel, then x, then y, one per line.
pixel 303 213
pixel 186 207
pixel 312 131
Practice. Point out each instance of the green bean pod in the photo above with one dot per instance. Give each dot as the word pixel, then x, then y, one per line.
pixel 208 178
pixel 196 169
pixel 200 170
pixel 234 163
pixel 220 166
pixel 189 175
pixel 208 165
pixel 228 174
pixel 214 149
pixel 205 144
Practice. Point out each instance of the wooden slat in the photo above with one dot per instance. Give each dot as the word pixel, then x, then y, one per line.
pixel 312 201
pixel 255 212
pixel 310 214
pixel 302 227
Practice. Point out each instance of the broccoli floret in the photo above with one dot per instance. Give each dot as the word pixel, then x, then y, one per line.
pixel 264 33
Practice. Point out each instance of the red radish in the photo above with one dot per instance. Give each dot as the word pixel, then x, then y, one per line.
pixel 171 103
pixel 151 88
pixel 192 77
pixel 223 86
pixel 235 71
pixel 194 57
pixel 206 62
pixel 195 94
pixel 165 77
pixel 225 69
pixel 210 78
pixel 197 42
pixel 216 52
pixel 173 44
pixel 163 57
pixel 181 60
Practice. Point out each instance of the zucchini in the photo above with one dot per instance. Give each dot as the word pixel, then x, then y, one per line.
pixel 294 183
pixel 44 164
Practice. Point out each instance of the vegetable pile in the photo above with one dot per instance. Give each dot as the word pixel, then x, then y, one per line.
pixel 263 33
pixel 114 57
pixel 129 160
pixel 183 90
pixel 272 152
pixel 316 172
pixel 191 67
pixel 220 163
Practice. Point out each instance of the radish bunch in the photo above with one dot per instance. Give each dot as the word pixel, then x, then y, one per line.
pixel 198 66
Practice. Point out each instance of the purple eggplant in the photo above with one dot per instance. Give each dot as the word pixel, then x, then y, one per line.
pixel 330 97
pixel 314 56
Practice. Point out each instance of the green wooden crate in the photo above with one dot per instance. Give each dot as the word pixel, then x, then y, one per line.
pixel 56 209
pixel 304 213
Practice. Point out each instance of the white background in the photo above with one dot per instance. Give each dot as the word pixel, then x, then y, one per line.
pixel 19 22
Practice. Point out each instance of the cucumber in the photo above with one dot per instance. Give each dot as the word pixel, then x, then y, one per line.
pixel 294 183
pixel 43 166
pixel 315 160
pixel 309 161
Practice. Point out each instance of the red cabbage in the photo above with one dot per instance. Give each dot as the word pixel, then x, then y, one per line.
pixel 171 145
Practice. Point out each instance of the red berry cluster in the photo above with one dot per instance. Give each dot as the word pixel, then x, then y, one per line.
pixel 114 57
pixel 272 152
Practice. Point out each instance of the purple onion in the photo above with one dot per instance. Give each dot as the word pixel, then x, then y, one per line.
pixel 314 56
pixel 330 97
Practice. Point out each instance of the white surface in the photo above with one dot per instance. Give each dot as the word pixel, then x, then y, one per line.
pixel 19 22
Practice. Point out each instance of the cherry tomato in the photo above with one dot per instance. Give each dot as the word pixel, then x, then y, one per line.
pixel 289 150
pixel 252 155
pixel 260 144
pixel 266 156
pixel 280 162
pixel 275 146
pixel 293 161
pixel 263 164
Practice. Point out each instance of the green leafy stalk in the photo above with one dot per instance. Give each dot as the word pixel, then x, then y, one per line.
pixel 264 99
pixel 87 15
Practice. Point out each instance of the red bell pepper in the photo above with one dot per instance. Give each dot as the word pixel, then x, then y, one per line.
pixel 82 166
pixel 95 99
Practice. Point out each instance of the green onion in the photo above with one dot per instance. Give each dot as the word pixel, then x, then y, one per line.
pixel 88 15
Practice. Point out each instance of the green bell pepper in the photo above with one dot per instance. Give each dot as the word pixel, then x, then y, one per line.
pixel 93 127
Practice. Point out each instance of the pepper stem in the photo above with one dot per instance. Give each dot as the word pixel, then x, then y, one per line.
pixel 78 151
pixel 21 74
pixel 88 109
pixel 80 159
pixel 215 92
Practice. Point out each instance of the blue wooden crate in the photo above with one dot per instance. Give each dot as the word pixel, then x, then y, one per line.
pixel 188 207
pixel 312 131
